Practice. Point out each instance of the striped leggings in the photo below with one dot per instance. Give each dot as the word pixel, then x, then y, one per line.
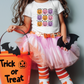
pixel 61 73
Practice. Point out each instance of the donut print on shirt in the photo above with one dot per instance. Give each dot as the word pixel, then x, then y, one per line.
pixel 45 17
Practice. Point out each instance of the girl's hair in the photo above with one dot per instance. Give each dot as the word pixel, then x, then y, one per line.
pixel 19 7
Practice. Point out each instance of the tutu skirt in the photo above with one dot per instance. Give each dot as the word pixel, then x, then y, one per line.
pixel 46 52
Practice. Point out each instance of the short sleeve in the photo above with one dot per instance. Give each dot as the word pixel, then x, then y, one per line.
pixel 27 11
pixel 59 8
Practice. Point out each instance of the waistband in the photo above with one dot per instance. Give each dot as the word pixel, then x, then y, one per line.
pixel 51 35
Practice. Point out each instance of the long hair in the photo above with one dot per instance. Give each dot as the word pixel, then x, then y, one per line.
pixel 19 7
pixel 66 11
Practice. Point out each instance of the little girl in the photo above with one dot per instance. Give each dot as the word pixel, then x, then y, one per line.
pixel 48 26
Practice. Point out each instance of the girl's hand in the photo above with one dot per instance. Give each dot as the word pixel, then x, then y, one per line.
pixel 11 28
pixel 65 41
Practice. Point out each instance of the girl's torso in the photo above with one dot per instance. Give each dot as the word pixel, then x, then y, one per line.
pixel 44 16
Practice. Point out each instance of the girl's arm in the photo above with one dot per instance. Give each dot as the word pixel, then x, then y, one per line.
pixel 63 28
pixel 25 27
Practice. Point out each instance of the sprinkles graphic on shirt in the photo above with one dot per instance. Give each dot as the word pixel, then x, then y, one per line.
pixel 39 11
pixel 50 23
pixel 39 17
pixel 39 23
pixel 50 11
pixel 44 23
pixel 44 11
pixel 50 17
pixel 45 17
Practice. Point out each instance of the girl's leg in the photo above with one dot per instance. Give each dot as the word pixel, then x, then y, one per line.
pixel 43 75
pixel 63 76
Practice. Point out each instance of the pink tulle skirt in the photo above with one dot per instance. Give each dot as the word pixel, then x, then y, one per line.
pixel 46 52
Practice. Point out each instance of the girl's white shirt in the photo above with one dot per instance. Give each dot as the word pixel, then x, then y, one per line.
pixel 44 16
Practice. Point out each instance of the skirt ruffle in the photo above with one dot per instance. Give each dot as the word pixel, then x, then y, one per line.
pixel 47 53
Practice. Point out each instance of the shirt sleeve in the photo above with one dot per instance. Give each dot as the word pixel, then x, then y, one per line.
pixel 27 11
pixel 59 8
